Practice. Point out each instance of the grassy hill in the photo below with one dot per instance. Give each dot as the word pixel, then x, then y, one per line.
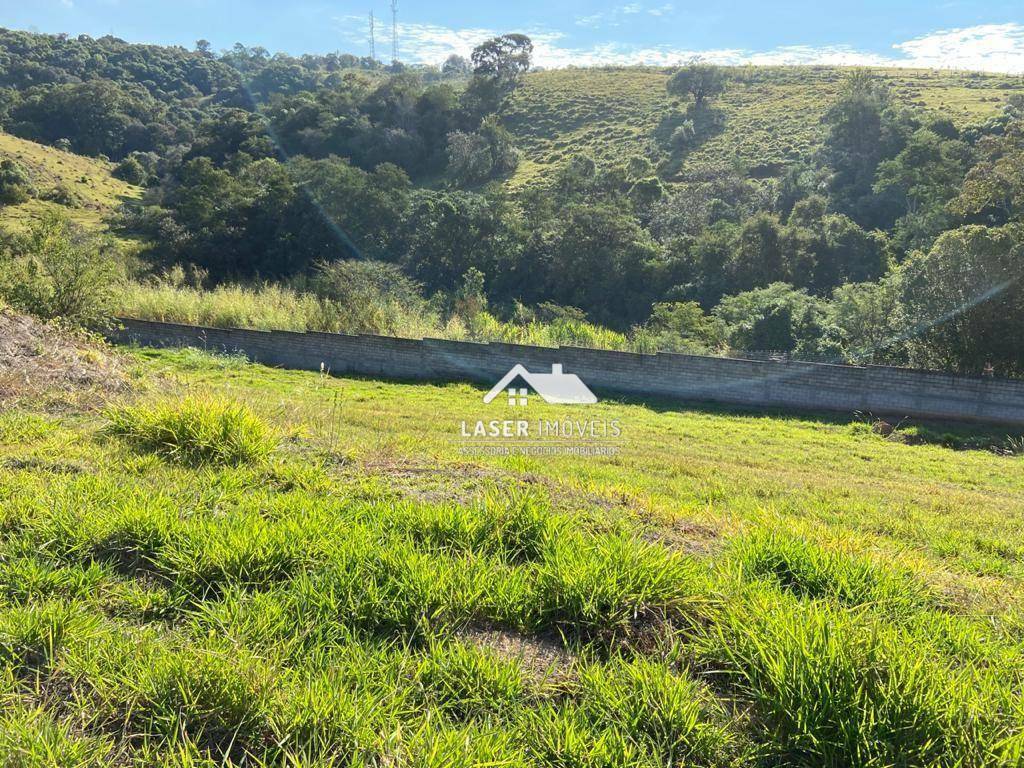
pixel 81 186
pixel 772 114
pixel 323 577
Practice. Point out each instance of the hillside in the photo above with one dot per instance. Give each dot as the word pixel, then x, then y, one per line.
pixel 81 186
pixel 772 115
pixel 237 565
pixel 734 216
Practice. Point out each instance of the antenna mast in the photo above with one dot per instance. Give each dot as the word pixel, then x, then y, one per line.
pixel 394 31
pixel 373 48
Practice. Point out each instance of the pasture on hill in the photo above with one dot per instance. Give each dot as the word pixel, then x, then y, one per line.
pixel 236 565
pixel 771 116
pixel 81 187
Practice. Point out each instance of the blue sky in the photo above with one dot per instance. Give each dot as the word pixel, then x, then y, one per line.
pixel 975 35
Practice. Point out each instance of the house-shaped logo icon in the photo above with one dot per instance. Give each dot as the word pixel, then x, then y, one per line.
pixel 555 387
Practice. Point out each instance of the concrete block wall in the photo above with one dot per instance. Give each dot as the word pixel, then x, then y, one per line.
pixel 796 385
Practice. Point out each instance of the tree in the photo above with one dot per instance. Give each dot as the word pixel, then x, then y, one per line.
pixel 850 254
pixel 710 257
pixel 863 129
pixel 777 317
pixel 503 58
pixel 682 326
pixel 963 301
pixel 456 66
pixel 758 259
pixel 639 167
pixel 131 170
pixel 445 234
pixel 993 191
pixel 644 193
pixel 701 80
pixel 476 157
pixel 230 132
pixel 865 318
pixel 364 209
pixel 98 117
pixel 498 64
pixel 603 261
pixel 924 176
pixel 469 158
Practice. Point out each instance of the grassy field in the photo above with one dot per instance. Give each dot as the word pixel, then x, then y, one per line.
pixel 771 115
pixel 94 193
pixel 239 564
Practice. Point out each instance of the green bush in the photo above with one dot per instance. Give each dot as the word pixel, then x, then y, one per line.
pixel 57 270
pixel 15 185
pixel 131 170
pixel 195 431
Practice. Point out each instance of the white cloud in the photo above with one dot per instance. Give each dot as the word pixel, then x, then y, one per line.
pixel 67 3
pixel 993 47
pixel 616 16
pixel 988 47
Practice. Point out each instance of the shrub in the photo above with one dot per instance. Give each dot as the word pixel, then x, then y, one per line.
pixel 15 185
pixel 195 431
pixel 57 270
pixel 64 195
pixel 131 170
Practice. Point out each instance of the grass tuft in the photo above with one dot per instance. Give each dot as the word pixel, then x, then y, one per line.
pixel 801 567
pixel 618 586
pixel 831 686
pixel 195 431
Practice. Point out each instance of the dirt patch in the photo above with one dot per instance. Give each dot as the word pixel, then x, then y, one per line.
pixel 427 481
pixel 683 535
pixel 61 367
pixel 39 465
pixel 464 483
pixel 542 657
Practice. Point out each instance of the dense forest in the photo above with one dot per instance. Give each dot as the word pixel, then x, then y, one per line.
pixel 900 239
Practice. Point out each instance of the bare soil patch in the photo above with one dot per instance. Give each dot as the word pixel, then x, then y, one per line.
pixel 40 361
pixel 542 657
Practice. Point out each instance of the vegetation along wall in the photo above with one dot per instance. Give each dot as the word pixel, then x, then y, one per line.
pixel 798 385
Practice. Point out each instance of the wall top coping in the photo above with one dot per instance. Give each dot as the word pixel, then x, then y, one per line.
pixel 908 373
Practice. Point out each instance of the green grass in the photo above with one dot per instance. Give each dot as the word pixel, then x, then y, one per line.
pixel 807 570
pixel 97 194
pixel 273 307
pixel 773 115
pixel 731 589
pixel 194 431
